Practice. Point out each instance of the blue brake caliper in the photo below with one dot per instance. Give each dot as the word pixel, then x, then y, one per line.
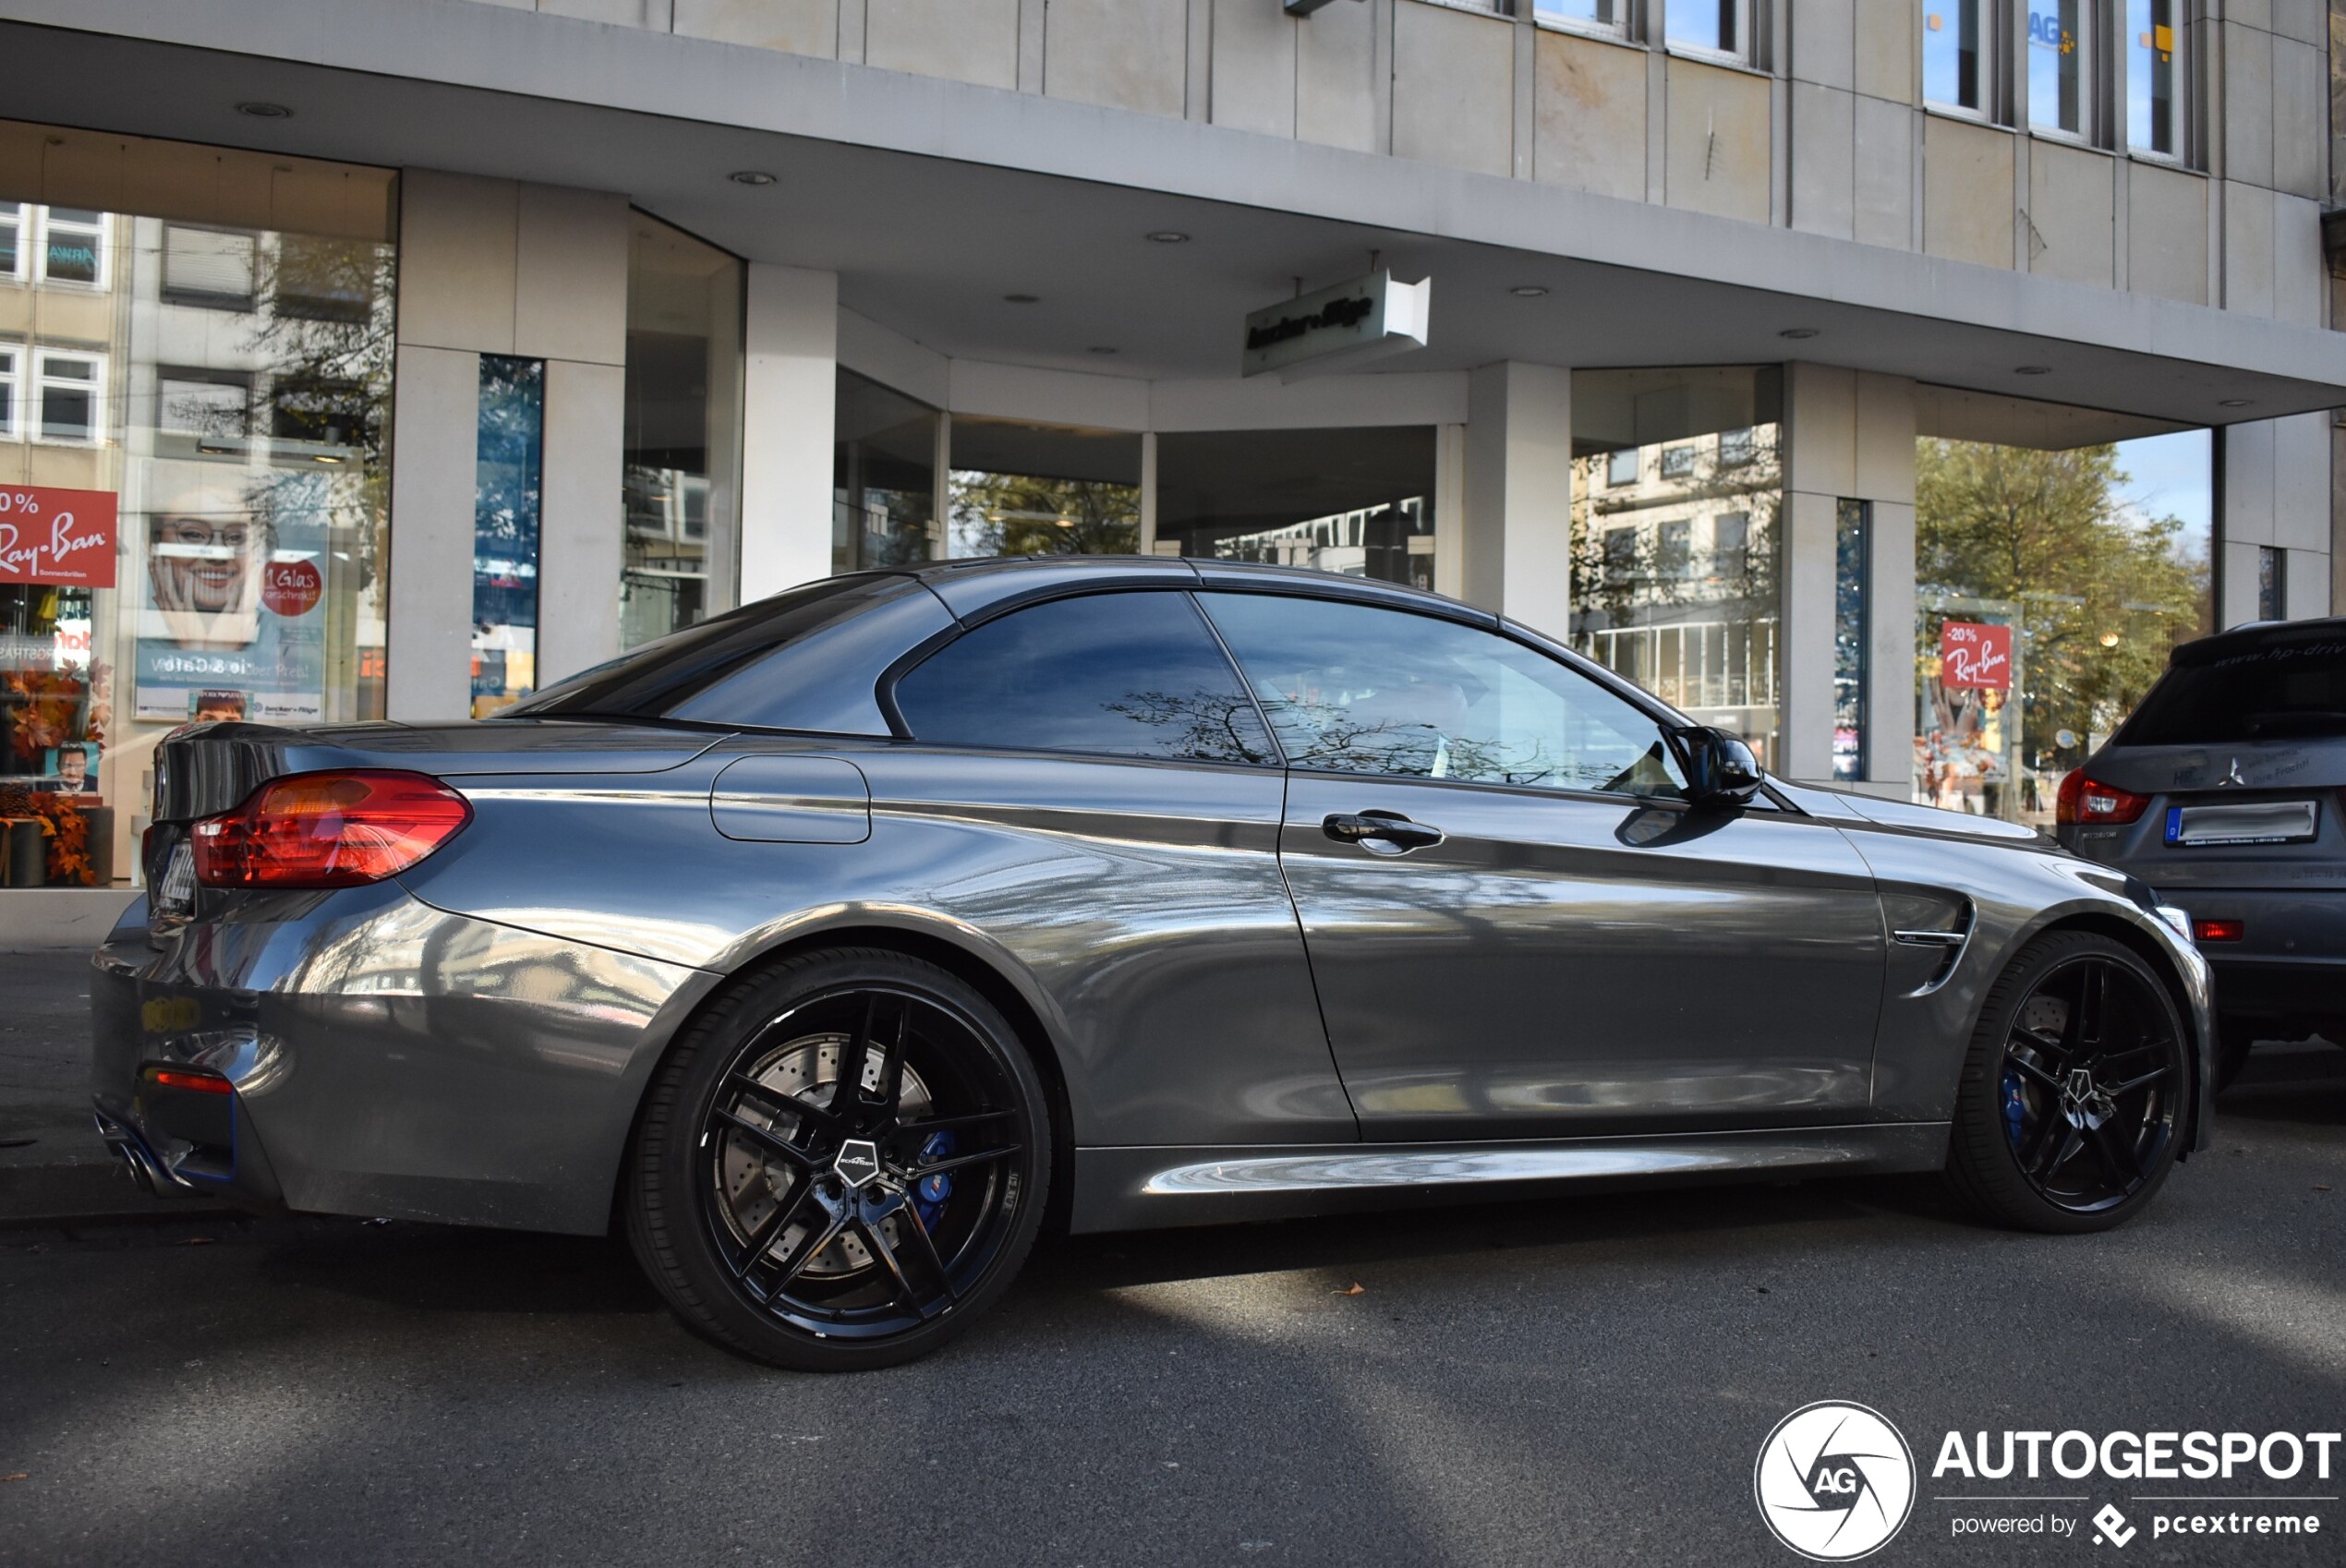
pixel 930 1193
pixel 2015 1108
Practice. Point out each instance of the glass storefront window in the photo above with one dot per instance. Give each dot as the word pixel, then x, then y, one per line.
pixel 1675 495
pixel 216 368
pixel 1852 632
pixel 1355 502
pixel 883 477
pixel 2049 585
pixel 1043 490
pixel 682 460
pixel 508 500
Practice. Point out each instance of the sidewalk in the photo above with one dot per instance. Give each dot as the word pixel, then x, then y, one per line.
pixel 53 1169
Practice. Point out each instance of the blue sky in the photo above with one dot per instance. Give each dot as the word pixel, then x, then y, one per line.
pixel 2172 476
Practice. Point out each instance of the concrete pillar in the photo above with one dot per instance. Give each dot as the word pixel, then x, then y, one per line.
pixel 1848 435
pixel 1515 542
pixel 538 273
pixel 2274 485
pixel 789 406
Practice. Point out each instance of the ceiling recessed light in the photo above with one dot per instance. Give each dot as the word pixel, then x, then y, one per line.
pixel 1798 332
pixel 265 110
pixel 1167 237
pixel 1102 348
pixel 2232 403
pixel 1528 291
pixel 1021 299
pixel 2032 369
pixel 750 177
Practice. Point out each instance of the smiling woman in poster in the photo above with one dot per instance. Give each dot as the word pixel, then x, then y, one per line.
pixel 204 554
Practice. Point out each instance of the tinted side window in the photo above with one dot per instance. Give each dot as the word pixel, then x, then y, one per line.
pixel 1132 674
pixel 2287 687
pixel 1355 689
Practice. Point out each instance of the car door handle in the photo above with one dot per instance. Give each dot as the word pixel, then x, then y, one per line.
pixel 1381 832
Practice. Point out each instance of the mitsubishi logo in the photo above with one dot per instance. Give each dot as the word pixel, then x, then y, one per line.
pixel 858 1162
pixel 2232 776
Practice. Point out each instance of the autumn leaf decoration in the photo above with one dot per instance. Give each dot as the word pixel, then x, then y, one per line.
pixel 68 834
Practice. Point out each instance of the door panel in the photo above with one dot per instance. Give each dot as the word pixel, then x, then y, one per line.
pixel 1560 964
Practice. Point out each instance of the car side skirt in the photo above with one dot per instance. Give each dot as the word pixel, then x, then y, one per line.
pixel 1143 1188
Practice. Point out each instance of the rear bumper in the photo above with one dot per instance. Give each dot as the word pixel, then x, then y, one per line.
pixel 385 1057
pixel 2291 960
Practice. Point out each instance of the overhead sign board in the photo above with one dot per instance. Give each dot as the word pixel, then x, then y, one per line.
pixel 1338 327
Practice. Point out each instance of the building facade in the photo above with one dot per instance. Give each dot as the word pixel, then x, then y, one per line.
pixel 434 350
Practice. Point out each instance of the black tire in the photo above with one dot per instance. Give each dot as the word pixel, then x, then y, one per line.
pixel 2039 1146
pixel 838 1225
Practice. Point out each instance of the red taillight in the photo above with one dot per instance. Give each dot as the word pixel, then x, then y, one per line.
pixel 2090 801
pixel 328 830
pixel 199 1080
pixel 2219 930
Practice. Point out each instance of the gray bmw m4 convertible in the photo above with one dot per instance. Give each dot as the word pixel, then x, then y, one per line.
pixel 828 946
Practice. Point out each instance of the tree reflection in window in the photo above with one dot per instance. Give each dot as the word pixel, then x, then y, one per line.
pixel 1358 689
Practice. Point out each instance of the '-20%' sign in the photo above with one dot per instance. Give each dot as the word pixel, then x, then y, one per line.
pixel 1975 655
pixel 56 539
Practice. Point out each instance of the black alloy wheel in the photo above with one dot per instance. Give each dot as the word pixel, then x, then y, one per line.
pixel 840 1164
pixel 2076 1091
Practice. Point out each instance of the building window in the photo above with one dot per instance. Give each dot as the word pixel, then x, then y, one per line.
pixel 1358 502
pixel 1590 16
pixel 68 397
pixel 1621 468
pixel 1674 575
pixel 209 412
pixel 883 477
pixel 1711 27
pixel 208 268
pixel 508 496
pixel 2272 584
pixel 682 453
pixel 11 393
pixel 2157 44
pixel 73 246
pixel 1953 58
pixel 15 218
pixel 1852 627
pixel 2061 66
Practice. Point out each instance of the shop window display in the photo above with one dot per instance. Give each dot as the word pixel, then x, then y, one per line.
pixel 1042 489
pixel 1675 494
pixel 196 395
pixel 2049 586
pixel 683 459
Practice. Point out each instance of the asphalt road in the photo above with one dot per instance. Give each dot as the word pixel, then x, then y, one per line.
pixel 1584 1381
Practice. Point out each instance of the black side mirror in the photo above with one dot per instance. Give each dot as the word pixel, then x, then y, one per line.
pixel 1721 770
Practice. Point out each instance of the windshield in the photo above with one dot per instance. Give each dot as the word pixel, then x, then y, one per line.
pixel 2291 687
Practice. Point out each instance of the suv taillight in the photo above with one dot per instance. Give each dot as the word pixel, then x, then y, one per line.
pixel 2090 801
pixel 328 830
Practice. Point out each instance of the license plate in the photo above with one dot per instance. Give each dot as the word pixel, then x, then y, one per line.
pixel 175 895
pixel 2256 822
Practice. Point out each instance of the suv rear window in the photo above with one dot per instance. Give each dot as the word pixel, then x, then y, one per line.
pixel 2286 686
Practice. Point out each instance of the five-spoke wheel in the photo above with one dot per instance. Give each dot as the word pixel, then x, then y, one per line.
pixel 841 1163
pixel 2077 1087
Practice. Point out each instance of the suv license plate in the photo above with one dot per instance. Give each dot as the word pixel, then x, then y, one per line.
pixel 2259 821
